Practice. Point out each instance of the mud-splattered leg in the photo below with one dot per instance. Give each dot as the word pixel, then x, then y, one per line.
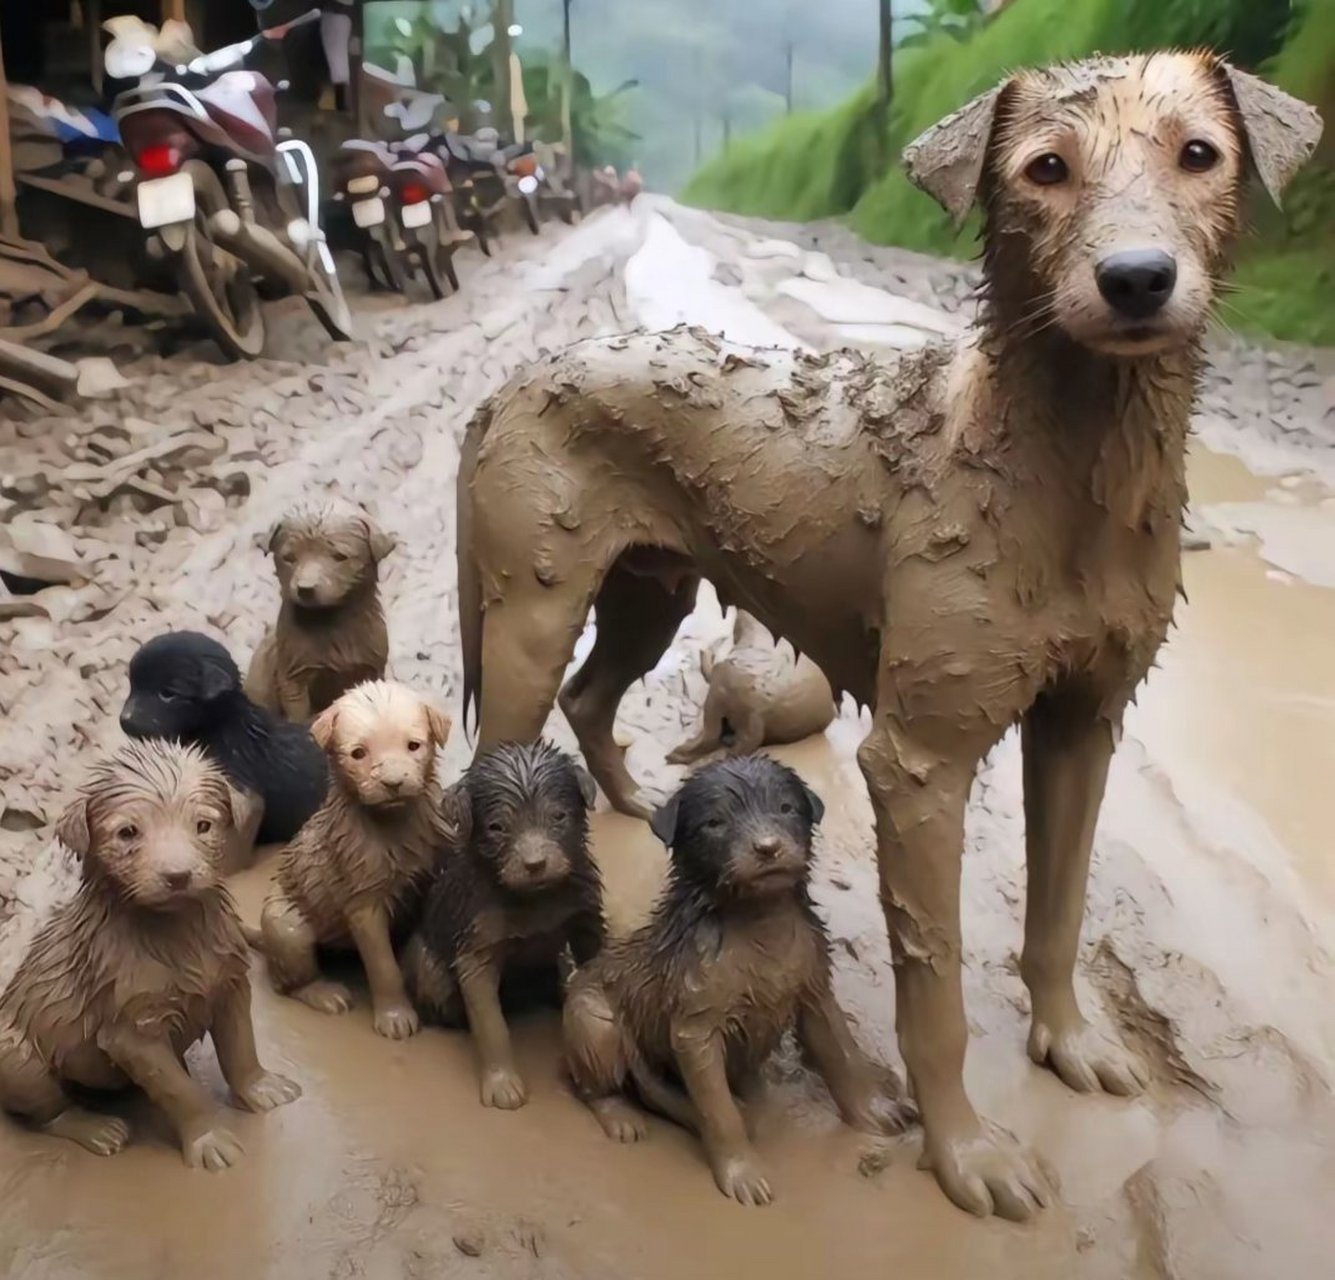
pixel 233 1035
pixel 289 945
pixel 1067 747
pixel 431 985
pixel 636 618
pixel 394 1016
pixel 480 986
pixel 748 734
pixel 596 1060
pixel 918 791
pixel 28 1088
pixel 709 738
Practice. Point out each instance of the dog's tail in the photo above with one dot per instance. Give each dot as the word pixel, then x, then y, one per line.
pixel 470 582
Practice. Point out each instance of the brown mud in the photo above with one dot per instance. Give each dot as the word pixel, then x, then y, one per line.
pixel 1208 934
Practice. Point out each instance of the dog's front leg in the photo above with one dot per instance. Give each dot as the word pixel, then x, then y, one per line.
pixel 1067 747
pixel 294 698
pixel 919 790
pixel 233 1035
pixel 394 1015
pixel 480 985
pixel 152 1063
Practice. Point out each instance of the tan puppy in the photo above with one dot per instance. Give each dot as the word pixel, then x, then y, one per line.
pixel 759 696
pixel 330 633
pixel 147 957
pixel 352 875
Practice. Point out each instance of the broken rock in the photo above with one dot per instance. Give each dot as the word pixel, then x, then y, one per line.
pixel 30 549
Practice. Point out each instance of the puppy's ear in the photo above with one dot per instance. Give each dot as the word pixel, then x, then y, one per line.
pixel 439 723
pixel 214 682
pixel 588 789
pixel 664 821
pixel 247 811
pixel 72 827
pixel 817 805
pixel 457 810
pixel 269 541
pixel 323 726
pixel 378 542
pixel 947 160
pixel 1281 131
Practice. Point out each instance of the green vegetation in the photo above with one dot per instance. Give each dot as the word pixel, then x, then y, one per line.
pixel 822 164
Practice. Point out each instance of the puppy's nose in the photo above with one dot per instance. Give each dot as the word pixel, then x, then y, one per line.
pixel 176 880
pixel 766 847
pixel 535 862
pixel 392 785
pixel 305 591
pixel 1137 282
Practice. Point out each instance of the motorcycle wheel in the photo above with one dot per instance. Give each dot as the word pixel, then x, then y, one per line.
pixel 431 256
pixel 387 259
pixel 327 301
pixel 218 286
pixel 530 204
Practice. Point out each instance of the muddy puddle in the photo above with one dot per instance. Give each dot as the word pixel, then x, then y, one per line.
pixel 1207 945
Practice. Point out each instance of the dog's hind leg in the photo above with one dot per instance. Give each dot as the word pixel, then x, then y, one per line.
pixel 709 738
pixel 1067 747
pixel 637 616
pixel 289 945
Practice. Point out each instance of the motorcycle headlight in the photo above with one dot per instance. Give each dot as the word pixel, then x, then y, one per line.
pixel 528 185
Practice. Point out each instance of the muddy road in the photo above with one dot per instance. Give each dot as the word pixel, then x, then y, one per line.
pixel 1212 900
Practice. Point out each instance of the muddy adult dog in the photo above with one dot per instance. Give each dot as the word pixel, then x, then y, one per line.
pixel 972 537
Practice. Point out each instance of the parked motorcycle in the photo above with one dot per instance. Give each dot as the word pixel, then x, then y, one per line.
pixel 426 212
pixel 230 201
pixel 363 172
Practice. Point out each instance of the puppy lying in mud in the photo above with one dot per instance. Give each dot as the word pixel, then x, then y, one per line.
pixel 758 696
pixel 519 890
pixel 330 634
pixel 354 874
pixel 185 686
pixel 964 537
pixel 143 961
pixel 733 957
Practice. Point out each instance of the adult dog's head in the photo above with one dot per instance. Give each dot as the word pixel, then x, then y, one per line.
pixel 1112 189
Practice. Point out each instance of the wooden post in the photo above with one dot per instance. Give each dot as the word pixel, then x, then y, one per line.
pixel 9 215
pixel 502 113
pixel 173 9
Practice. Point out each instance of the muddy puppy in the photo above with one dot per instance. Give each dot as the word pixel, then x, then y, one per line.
pixel 733 956
pixel 145 959
pixel 520 889
pixel 354 874
pixel 330 634
pixel 185 686
pixel 758 696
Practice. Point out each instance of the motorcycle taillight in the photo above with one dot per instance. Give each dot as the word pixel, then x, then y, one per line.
pixel 524 166
pixel 159 160
pixel 413 193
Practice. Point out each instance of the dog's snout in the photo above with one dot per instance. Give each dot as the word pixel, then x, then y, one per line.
pixel 1137 282
pixel 392 785
pixel 305 591
pixel 766 846
pixel 176 880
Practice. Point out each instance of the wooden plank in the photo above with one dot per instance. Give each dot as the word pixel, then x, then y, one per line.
pixel 9 216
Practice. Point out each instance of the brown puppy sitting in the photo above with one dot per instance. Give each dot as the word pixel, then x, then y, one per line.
pixel 147 957
pixel 352 876
pixel 519 891
pixel 733 956
pixel 330 633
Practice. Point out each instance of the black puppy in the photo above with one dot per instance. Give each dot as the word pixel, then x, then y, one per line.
pixel 185 686
pixel 518 890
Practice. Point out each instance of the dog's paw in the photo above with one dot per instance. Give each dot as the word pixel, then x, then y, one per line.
pixel 742 1178
pixel 1087 1060
pixel 502 1088
pixel 620 1121
pixel 396 1021
pixel 985 1171
pixel 102 1135
pixel 267 1091
pixel 325 997
pixel 883 1115
pixel 214 1149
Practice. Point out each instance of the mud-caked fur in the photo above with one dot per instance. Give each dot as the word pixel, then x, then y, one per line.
pixel 185 686
pixel 964 538
pixel 733 957
pixel 330 634
pixel 518 898
pixel 353 877
pixel 145 960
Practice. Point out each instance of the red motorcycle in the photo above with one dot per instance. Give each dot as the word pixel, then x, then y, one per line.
pixel 228 199
pixel 426 212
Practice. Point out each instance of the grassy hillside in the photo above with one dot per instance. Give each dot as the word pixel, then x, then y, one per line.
pixel 822 165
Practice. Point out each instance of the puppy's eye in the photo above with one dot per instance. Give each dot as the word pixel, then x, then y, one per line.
pixel 559 815
pixel 1047 170
pixel 203 826
pixel 496 828
pixel 288 557
pixel 339 557
pixel 1198 156
pixel 166 695
pixel 128 832
pixel 786 808
pixel 713 824
pixel 358 753
pixel 414 745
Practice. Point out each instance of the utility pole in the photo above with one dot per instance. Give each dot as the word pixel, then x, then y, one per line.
pixel 884 82
pixel 567 85
pixel 502 18
pixel 788 78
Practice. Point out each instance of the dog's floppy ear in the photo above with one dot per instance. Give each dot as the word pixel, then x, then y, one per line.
pixel 588 789
pixel 214 681
pixel 269 541
pixel 378 541
pixel 817 805
pixel 1281 131
pixel 439 723
pixel 664 821
pixel 322 727
pixel 72 827
pixel 456 808
pixel 947 160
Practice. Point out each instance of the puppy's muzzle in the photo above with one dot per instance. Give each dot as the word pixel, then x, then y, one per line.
pixel 1137 283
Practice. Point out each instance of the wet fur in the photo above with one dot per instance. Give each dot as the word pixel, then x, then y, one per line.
pixel 330 634
pixel 259 753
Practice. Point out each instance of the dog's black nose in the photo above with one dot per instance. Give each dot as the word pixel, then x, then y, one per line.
pixel 177 880
pixel 766 847
pixel 1137 282
pixel 305 593
pixel 535 863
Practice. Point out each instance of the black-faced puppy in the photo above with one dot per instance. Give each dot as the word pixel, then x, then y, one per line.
pixel 185 686
pixel 354 874
pixel 520 889
pixel 145 959
pixel 330 634
pixel 733 956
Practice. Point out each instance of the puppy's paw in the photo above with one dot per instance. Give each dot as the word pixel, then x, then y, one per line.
pixel 502 1088
pixel 620 1121
pixel 214 1149
pixel 325 997
pixel 1086 1059
pixel 267 1091
pixel 882 1115
pixel 396 1021
pixel 102 1135
pixel 742 1178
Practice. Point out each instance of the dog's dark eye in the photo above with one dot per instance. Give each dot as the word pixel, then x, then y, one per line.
pixel 128 832
pixel 358 753
pixel 203 826
pixel 414 745
pixel 339 557
pixel 1198 157
pixel 713 824
pixel 559 815
pixel 496 828
pixel 786 808
pixel 166 695
pixel 1047 170
pixel 289 557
